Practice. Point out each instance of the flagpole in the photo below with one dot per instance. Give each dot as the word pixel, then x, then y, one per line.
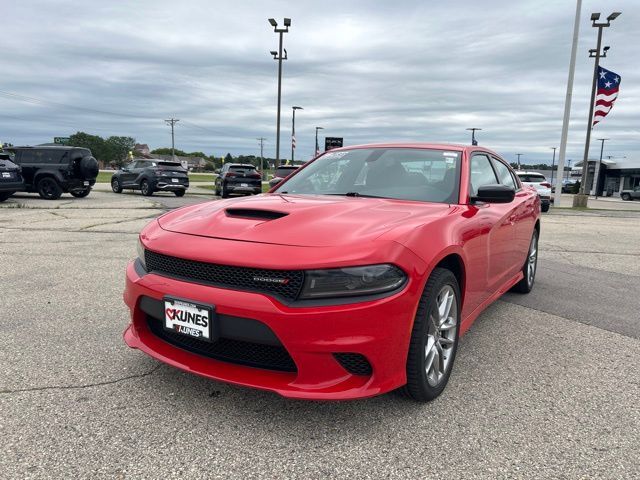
pixel 567 106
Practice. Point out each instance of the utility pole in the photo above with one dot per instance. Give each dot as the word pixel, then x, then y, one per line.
pixel 172 122
pixel 581 200
pixel 553 164
pixel 596 174
pixel 474 142
pixel 519 155
pixel 261 140
pixel 568 171
pixel 278 56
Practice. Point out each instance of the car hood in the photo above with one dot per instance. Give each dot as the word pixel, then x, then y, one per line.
pixel 302 220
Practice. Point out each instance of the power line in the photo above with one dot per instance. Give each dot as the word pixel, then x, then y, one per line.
pixel 172 121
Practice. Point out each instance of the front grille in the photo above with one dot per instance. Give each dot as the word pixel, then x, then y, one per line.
pixel 354 363
pixel 237 278
pixel 269 357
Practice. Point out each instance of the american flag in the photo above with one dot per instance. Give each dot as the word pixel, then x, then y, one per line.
pixel 608 84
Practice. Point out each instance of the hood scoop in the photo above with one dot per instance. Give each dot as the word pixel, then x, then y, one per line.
pixel 254 213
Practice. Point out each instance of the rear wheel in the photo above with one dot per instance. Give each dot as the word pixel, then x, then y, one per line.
pixel 434 338
pixel 49 189
pixel 115 185
pixel 5 195
pixel 530 266
pixel 179 193
pixel 545 207
pixel 625 196
pixel 224 193
pixel 145 188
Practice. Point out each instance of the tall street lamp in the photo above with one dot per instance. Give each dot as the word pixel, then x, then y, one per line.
pixel 582 201
pixel 317 146
pixel 553 163
pixel 596 174
pixel 473 135
pixel 278 56
pixel 293 131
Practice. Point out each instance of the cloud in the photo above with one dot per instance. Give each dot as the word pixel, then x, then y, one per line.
pixel 367 71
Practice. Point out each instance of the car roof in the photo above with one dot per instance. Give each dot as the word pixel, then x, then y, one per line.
pixel 47 147
pixel 453 147
pixel 240 165
pixel 520 172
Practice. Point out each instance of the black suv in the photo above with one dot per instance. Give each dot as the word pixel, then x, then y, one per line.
pixel 52 171
pixel 150 176
pixel 282 172
pixel 10 177
pixel 238 178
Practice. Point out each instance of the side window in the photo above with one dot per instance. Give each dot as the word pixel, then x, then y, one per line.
pixel 481 173
pixel 28 156
pixel 504 175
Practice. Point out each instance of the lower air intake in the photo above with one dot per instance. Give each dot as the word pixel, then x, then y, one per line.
pixel 354 363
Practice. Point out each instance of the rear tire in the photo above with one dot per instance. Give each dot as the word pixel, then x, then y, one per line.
pixel 145 188
pixel 530 267
pixel 625 196
pixel 179 193
pixel 224 193
pixel 81 193
pixel 434 337
pixel 115 185
pixel 5 195
pixel 545 208
pixel 48 188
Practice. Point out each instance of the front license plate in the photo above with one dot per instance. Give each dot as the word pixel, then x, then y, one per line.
pixel 188 318
pixel 175 180
pixel 244 184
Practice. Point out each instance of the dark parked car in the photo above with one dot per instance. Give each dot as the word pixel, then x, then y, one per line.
pixel 151 176
pixel 633 194
pixel 282 172
pixel 52 171
pixel 10 177
pixel 238 178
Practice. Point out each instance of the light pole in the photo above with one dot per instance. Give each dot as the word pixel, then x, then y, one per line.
pixel 172 122
pixel 581 200
pixel 278 56
pixel 519 155
pixel 473 135
pixel 317 146
pixel 293 131
pixel 596 174
pixel 261 140
pixel 569 171
pixel 553 163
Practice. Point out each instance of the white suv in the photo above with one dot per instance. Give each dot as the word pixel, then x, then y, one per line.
pixel 542 186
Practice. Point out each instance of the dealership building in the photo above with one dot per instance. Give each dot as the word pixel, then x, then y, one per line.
pixel 613 174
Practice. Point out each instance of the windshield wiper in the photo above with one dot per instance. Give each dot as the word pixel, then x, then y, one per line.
pixel 356 194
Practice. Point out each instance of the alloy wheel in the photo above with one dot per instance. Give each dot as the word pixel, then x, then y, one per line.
pixel 532 259
pixel 441 335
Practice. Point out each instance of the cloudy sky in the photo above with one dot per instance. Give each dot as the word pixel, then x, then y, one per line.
pixel 368 71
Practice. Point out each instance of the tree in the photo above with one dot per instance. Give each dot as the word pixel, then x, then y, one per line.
pixel 167 151
pixel 118 149
pixel 93 142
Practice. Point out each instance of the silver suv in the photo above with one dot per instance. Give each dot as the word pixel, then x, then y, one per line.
pixel 542 186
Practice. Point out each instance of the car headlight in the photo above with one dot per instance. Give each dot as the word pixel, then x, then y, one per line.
pixel 141 254
pixel 352 281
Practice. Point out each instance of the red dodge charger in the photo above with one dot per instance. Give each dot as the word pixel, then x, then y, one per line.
pixel 355 276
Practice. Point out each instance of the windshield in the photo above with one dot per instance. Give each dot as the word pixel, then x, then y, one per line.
pixel 399 173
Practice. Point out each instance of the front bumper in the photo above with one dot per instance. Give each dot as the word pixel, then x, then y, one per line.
pixel 377 329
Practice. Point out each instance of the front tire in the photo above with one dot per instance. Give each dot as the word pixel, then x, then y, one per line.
pixel 115 185
pixel 530 267
pixel 545 208
pixel 224 193
pixel 625 196
pixel 145 188
pixel 179 193
pixel 49 189
pixel 434 338
pixel 5 195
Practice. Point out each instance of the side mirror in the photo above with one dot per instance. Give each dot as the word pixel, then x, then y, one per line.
pixel 217 170
pixel 125 169
pixel 494 194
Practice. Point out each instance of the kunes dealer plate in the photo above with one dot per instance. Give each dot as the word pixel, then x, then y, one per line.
pixel 189 318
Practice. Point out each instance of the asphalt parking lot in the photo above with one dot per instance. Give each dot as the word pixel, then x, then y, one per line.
pixel 545 385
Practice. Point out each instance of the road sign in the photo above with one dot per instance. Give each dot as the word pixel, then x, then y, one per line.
pixel 61 140
pixel 332 142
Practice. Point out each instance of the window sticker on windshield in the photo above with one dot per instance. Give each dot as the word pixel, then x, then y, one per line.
pixel 450 154
pixel 336 154
pixel 450 161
